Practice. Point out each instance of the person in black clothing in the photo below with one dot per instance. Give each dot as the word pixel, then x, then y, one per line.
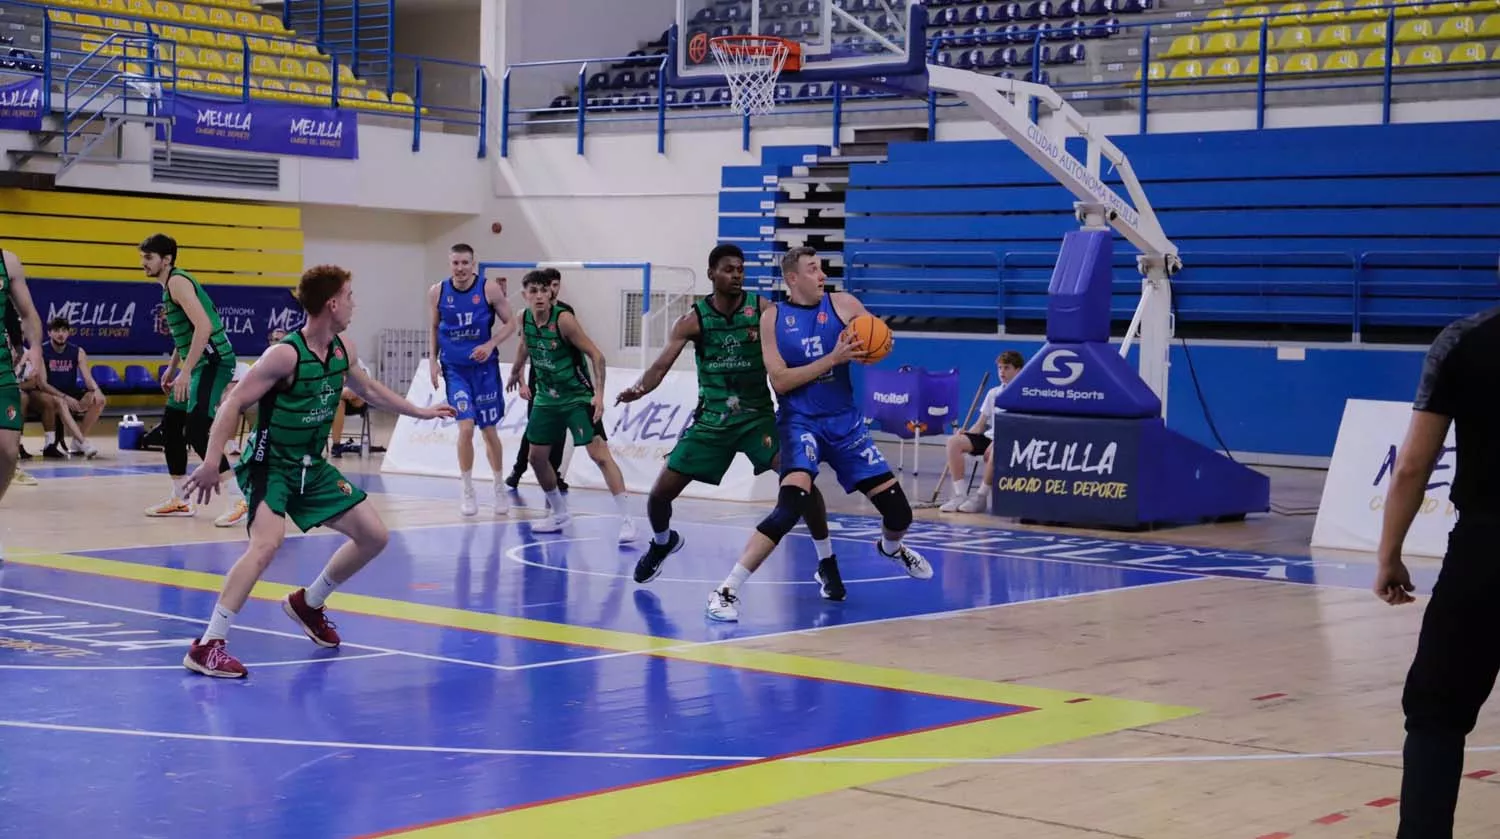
pixel 1456 663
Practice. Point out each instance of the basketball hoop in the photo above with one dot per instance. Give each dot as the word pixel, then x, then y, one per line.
pixel 751 65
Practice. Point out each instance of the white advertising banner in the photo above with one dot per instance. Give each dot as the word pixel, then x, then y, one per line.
pixel 1364 456
pixel 641 434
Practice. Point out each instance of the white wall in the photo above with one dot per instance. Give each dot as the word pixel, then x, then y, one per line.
pixel 386 252
pixel 546 30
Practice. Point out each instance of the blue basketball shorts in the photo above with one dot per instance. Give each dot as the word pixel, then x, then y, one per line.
pixel 474 392
pixel 842 441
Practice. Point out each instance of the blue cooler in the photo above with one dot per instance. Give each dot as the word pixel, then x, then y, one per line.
pixel 132 431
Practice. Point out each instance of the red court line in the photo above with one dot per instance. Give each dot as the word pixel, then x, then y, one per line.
pixel 1333 818
pixel 1267 696
pixel 708 770
pixel 1481 774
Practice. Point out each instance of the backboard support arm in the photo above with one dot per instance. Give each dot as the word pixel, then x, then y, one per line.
pixel 1006 104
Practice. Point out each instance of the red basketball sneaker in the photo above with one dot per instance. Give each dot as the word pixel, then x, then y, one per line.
pixel 210 659
pixel 317 625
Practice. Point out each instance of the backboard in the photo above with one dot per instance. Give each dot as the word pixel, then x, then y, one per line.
pixel 841 39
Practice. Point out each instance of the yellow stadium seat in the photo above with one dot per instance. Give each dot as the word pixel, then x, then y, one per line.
pixel 1375 59
pixel 1302 62
pixel 318 71
pixel 230 41
pixel 1250 17
pixel 167 11
pixel 1455 28
pixel 1158 70
pixel 263 65
pixel 1217 19
pixel 1186 70
pixel 1424 55
pixel 1414 31
pixel 1293 37
pixel 1273 66
pixel 234 60
pixel 305 49
pixel 1220 43
pixel 1226 66
pixel 346 75
pixel 202 37
pixel 1249 43
pixel 220 17
pixel 186 56
pixel 1366 10
pixel 173 33
pixel 1371 34
pixel 291 67
pixel 271 23
pixel 1183 45
pixel 60 16
pixel 1327 11
pixel 247 20
pixel 1289 14
pixel 1496 56
pixel 1335 36
pixel 1470 53
pixel 187 74
pixel 1341 60
pixel 139 8
pixel 89 20
pixel 193 13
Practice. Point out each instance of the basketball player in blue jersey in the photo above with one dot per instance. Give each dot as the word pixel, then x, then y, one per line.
pixel 464 309
pixel 807 355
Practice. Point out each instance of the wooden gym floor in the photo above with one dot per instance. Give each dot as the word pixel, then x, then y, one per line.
pixel 1199 683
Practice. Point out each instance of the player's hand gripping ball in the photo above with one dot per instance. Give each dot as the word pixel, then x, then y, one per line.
pixel 875 335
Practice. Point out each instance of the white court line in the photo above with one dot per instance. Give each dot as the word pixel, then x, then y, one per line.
pixel 513 554
pixel 256 665
pixel 813 630
pixel 648 756
pixel 237 627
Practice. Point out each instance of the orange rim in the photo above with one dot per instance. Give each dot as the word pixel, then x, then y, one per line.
pixel 758 45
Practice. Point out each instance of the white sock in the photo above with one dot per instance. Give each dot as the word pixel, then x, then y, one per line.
pixel 824 547
pixel 620 504
pixel 736 578
pixel 891 548
pixel 559 506
pixel 218 625
pixel 51 438
pixel 231 487
pixel 317 593
pixel 468 481
pixel 177 491
pixel 662 538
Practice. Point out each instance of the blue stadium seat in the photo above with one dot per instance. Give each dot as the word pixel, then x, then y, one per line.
pixel 108 379
pixel 138 379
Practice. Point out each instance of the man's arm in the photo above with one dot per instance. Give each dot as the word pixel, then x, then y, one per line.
pixel 31 322
pixel 519 367
pixel 572 332
pixel 182 295
pixel 432 334
pixel 785 379
pixel 376 394
pixel 275 366
pixel 509 323
pixel 683 331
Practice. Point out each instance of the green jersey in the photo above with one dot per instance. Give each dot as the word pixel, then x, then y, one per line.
pixel 732 386
pixel 295 419
pixel 181 327
pixel 7 312
pixel 561 376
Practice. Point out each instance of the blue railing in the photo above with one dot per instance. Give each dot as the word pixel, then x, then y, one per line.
pixel 364 30
pixel 1363 289
pixel 1145 92
pixel 425 90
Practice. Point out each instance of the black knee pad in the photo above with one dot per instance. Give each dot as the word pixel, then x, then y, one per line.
pixel 895 510
pixel 789 504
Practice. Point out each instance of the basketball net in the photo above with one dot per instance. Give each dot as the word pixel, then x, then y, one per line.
pixel 751 65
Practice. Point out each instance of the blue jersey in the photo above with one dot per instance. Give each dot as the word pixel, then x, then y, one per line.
pixel 465 319
pixel 62 367
pixel 803 335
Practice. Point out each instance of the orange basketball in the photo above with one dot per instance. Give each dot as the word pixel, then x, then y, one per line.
pixel 875 336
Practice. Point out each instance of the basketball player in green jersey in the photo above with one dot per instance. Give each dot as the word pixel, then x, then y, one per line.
pixel 564 398
pixel 15 298
pixel 297 386
pixel 735 413
pixel 200 370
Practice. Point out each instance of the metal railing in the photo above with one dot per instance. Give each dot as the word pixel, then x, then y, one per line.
pixel 1139 92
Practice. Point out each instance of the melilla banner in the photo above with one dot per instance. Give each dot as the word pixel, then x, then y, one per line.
pixel 641 435
pixel 1359 475
pixel 264 127
pixel 127 318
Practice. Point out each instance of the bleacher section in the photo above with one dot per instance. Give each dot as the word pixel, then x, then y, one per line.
pixel 1085 46
pixel 217 47
pixel 82 262
pixel 1327 233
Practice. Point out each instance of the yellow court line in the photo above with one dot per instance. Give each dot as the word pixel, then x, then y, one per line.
pixel 694 798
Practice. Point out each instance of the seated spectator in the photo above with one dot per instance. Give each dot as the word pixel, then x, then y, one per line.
pixel 976 440
pixel 66 364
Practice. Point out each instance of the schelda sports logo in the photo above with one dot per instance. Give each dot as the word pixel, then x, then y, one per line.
pixel 1068 362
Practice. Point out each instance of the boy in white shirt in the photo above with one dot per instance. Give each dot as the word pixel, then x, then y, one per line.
pixel 977 440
